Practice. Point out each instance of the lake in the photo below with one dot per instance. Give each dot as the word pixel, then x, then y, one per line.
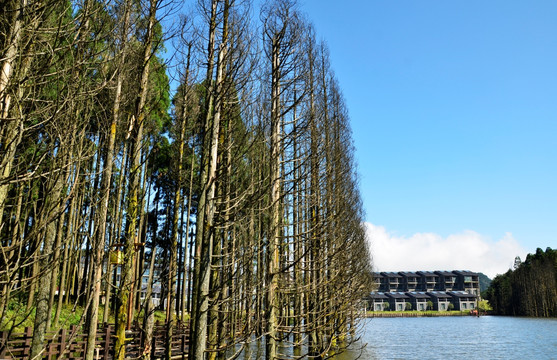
pixel 467 337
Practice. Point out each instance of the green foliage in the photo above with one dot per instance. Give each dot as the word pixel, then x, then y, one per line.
pixel 429 305
pixel 18 318
pixel 450 307
pixel 158 103
pixel 408 306
pixel 386 306
pixel 483 305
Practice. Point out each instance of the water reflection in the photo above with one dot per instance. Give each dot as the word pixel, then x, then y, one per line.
pixel 486 337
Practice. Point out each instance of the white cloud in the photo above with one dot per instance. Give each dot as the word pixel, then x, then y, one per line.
pixel 429 251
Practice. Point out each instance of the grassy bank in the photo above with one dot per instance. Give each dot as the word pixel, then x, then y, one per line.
pixel 18 317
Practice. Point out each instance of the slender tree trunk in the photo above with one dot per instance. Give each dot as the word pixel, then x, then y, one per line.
pixel 100 233
pixel 133 196
pixel 170 319
pixel 274 232
pixel 187 287
pixel 42 314
pixel 149 313
pixel 10 129
pixel 65 260
pixel 203 243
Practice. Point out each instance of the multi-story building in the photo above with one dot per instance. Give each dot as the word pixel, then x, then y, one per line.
pixel 447 280
pixel 410 281
pixel 397 301
pixel 418 300
pixel 393 281
pixel 463 301
pixel 440 300
pixel 468 281
pixel 430 281
pixel 458 287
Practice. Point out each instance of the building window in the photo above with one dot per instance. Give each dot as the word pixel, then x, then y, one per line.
pixel 421 307
pixel 464 306
pixel 399 307
pixel 443 306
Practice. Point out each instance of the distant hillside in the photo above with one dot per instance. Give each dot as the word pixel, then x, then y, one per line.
pixel 484 282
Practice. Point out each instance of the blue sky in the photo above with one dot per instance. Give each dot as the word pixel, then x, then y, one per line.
pixel 453 106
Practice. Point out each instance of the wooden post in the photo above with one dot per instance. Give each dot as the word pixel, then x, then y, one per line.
pixel 3 343
pixel 28 337
pixel 107 335
pixel 62 341
pixel 183 345
pixel 51 350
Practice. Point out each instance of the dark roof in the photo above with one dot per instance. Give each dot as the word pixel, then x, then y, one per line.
pixel 465 272
pixel 408 274
pixel 397 295
pixel 444 273
pixel 439 294
pixel 427 273
pixel 377 275
pixel 377 295
pixel 461 294
pixel 418 295
pixel 391 274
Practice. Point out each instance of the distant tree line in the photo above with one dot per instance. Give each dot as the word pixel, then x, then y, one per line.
pixel 240 187
pixel 530 289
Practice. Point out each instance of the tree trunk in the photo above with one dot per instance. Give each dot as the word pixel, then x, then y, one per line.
pixel 203 244
pixel 41 315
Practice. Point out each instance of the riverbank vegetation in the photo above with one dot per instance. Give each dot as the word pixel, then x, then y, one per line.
pixel 218 176
pixel 530 289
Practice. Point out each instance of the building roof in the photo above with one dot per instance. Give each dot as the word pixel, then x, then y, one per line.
pixel 444 273
pixel 427 273
pixel 378 295
pixel 377 275
pixel 418 295
pixel 461 294
pixel 439 294
pixel 465 272
pixel 397 295
pixel 408 274
pixel 391 274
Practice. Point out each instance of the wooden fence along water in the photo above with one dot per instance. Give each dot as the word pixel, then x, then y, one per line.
pixel 71 343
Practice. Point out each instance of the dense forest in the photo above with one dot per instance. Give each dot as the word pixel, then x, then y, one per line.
pixel 207 142
pixel 530 289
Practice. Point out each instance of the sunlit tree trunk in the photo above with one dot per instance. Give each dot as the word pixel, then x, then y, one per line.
pixel 136 132
pixel 203 243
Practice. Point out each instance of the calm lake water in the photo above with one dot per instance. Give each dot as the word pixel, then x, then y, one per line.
pixel 486 337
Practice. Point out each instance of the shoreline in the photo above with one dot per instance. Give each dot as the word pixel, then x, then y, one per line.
pixel 398 314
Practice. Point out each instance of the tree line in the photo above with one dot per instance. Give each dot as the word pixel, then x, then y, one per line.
pixel 238 188
pixel 530 289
